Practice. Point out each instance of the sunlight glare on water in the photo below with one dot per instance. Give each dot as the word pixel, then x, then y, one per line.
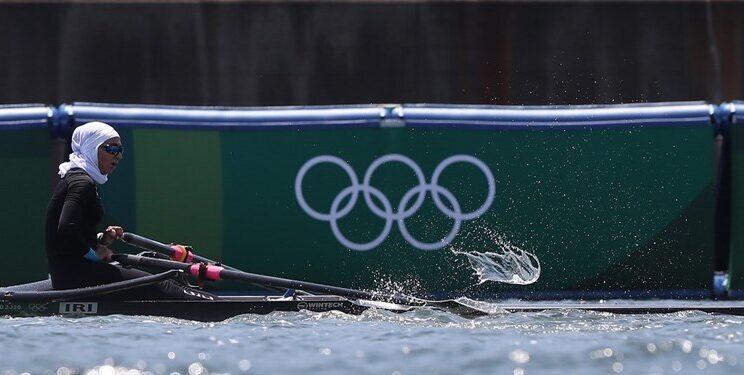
pixel 377 342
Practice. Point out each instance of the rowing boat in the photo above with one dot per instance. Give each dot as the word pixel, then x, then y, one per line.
pixel 39 299
pixel 192 310
pixel 84 302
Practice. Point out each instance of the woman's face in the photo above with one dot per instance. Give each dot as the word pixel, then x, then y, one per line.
pixel 110 154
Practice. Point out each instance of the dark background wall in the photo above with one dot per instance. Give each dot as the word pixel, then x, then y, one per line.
pixel 305 53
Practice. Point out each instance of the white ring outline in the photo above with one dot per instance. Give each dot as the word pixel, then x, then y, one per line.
pixel 489 179
pixel 402 213
pixel 389 214
pixel 385 231
pixel 301 175
pixel 453 232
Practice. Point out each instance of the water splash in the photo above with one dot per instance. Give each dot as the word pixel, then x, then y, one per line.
pixel 507 264
pixel 388 285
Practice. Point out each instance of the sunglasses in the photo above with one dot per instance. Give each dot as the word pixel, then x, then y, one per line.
pixel 113 149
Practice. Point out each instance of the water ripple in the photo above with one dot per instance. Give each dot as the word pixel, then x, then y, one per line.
pixel 376 342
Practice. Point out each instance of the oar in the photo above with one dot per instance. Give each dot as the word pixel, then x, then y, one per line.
pixel 178 253
pixel 175 252
pixel 214 272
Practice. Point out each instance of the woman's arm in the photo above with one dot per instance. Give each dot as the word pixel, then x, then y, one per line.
pixel 80 195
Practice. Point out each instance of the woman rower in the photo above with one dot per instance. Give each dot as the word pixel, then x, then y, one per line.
pixel 77 256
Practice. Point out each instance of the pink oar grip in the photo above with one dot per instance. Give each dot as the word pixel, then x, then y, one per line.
pixel 213 272
pixel 181 254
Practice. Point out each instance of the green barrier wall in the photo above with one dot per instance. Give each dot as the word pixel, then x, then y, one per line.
pixel 25 159
pixel 604 208
pixel 600 210
pixel 736 264
pixel 609 199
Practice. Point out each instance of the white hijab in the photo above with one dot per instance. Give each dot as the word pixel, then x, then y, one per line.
pixel 85 142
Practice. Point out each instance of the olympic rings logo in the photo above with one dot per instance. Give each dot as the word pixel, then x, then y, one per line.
pixel 387 211
pixel 36 307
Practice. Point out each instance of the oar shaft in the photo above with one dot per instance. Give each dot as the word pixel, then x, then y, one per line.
pixel 139 261
pixel 313 287
pixel 152 245
pixel 174 252
pixel 294 284
pixel 213 272
pixel 147 244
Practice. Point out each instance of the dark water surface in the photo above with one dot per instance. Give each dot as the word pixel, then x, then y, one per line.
pixel 377 342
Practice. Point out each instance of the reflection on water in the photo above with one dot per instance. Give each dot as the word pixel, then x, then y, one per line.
pixel 378 342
